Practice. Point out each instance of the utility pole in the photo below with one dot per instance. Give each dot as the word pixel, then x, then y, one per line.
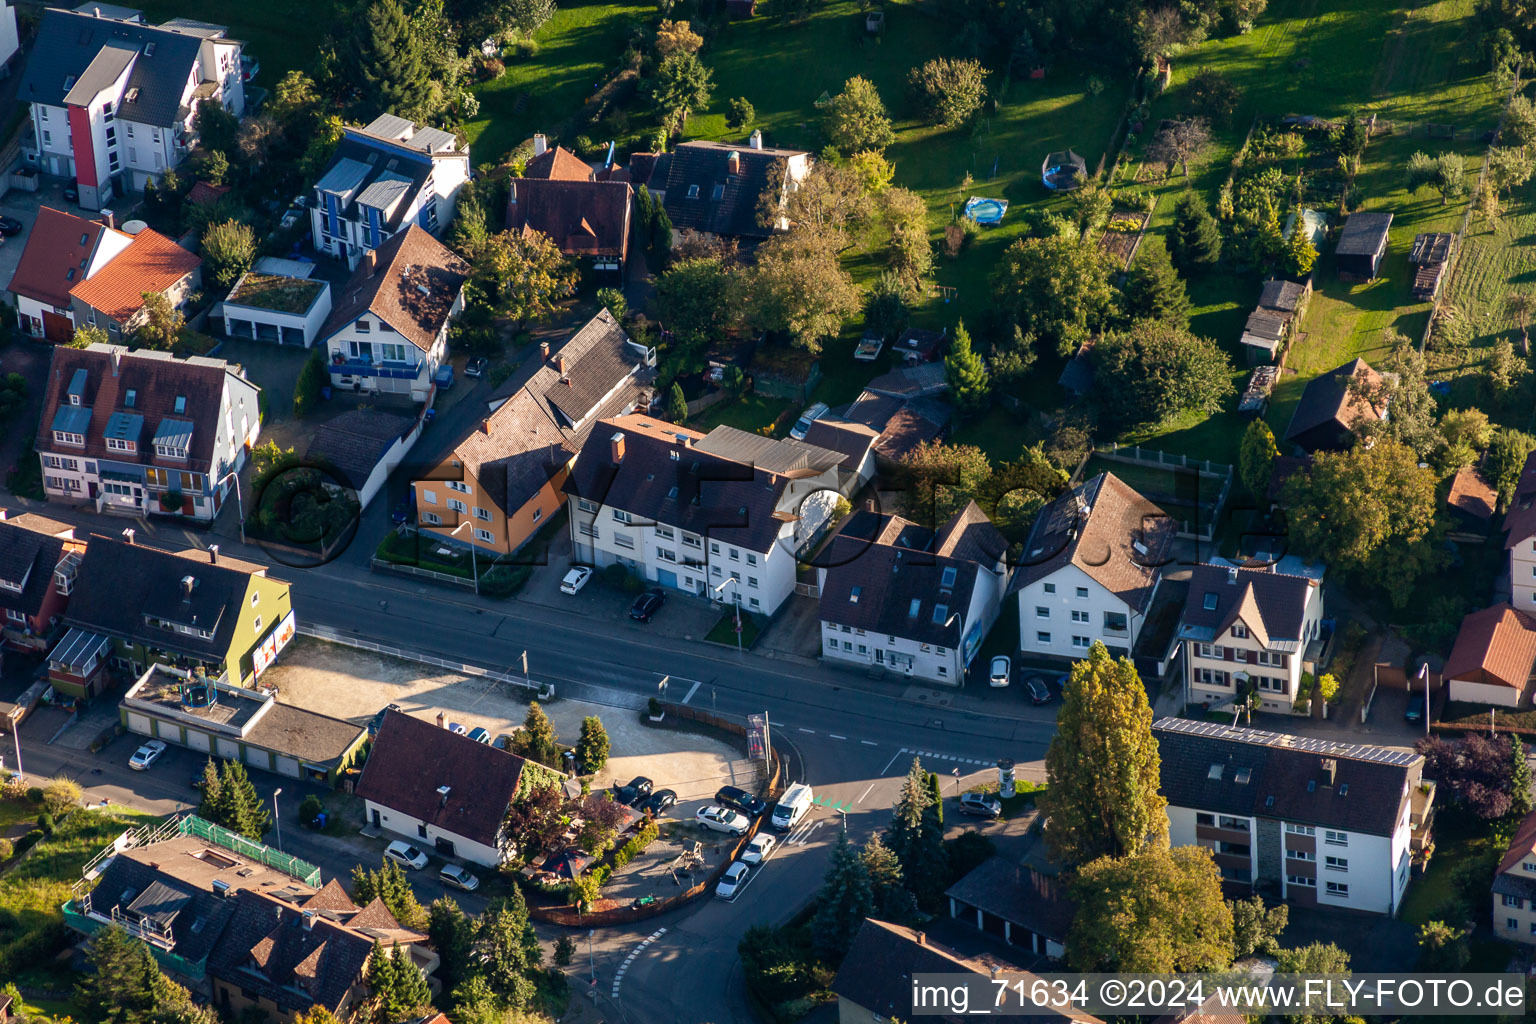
pixel 276 820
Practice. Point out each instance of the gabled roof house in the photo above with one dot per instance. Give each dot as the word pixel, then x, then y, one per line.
pixel 1334 406
pixel 1494 657
pixel 62 250
pixel 716 187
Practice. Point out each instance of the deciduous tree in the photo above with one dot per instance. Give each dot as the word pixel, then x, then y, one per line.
pixel 1519 778
pixel 1058 288
pixel 1316 958
pixel 1450 177
pixel 1256 928
pixel 739 113
pixel 937 480
pixel 1350 505
pixel 229 248
pixel 696 299
pixel 1421 171
pixel 1102 766
pixel 1154 370
pixel 948 91
pixel 1507 452
pixel 1476 771
pixel 856 118
pixel 799 287
pixel 677 37
pixel 1157 910
pixel 520 276
pixel 161 323
pixel 1180 142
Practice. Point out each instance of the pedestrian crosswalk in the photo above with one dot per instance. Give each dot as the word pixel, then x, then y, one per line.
pixel 930 755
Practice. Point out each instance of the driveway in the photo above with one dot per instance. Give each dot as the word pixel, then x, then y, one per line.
pixel 24 206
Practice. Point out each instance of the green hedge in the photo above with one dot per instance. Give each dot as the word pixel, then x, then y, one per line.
pixel 647 835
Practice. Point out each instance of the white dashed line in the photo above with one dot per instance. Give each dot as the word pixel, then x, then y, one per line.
pixel 869 743
pixel 808 732
pixel 836 736
pixel 864 794
pixel 618 976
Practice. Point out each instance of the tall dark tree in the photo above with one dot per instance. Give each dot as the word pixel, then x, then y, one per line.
pixel 1519 778
pixel 124 985
pixel 846 899
pixel 1196 238
pixel 398 990
pixel 592 746
pixel 1477 772
pixel 508 949
pixel 234 803
pixel 536 741
pixel 390 886
pixel 916 840
pixel 969 387
pixel 1154 290
pixel 893 901
pixel 389 61
pixel 452 933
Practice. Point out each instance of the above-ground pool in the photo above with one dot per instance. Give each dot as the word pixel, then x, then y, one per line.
pixel 985 211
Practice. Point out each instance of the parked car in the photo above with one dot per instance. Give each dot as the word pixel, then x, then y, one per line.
pixel 72 192
pixel 982 805
pixel 480 735
pixel 1039 693
pixel 1414 712
pixel 146 755
pixel 660 801
pixel 378 719
pixel 741 800
pixel 575 579
pixel 503 742
pixel 476 367
pixel 813 412
pixel 1002 671
pixel 406 855
pixel 401 512
pixel 635 791
pixel 759 848
pixel 10 226
pixel 647 605
pixel 730 884
pixel 457 729
pixel 723 819
pixel 444 377
pixel 458 877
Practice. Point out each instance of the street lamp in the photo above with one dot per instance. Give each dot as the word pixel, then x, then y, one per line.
pixel 735 585
pixel 276 819
pixel 474 561
pixel 239 504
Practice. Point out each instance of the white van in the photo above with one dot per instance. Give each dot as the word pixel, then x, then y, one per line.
pixel 812 413
pixel 792 806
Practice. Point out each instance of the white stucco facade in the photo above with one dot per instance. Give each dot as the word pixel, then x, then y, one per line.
pixel 1485 693
pixel 1063 614
pixel 1522 575
pixel 425 836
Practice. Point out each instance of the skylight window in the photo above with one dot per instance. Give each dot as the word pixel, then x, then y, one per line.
pixel 853 595
pixel 912 609
pixel 1242 776
pixel 948 579
pixel 1215 772
pixel 1210 602
pixel 130 398
pixel 940 613
pixel 181 403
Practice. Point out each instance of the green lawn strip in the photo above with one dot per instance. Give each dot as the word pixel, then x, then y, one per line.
pixel 78 838
pixel 724 631
pixel 750 412
pixel 281 35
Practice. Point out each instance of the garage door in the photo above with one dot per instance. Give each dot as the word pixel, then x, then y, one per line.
pixel 140 724
pixel 287 766
pixel 197 740
pixel 228 749
pixel 57 328
pixel 168 731
pixel 258 758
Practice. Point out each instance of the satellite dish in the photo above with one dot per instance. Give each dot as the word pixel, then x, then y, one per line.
pixel 133 227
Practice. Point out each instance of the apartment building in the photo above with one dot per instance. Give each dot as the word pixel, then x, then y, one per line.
pixel 1247 630
pixel 723 516
pixel 1514 887
pixel 1308 821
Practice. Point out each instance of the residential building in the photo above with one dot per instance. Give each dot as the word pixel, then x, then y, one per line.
pixel 1304 820
pixel 1334 406
pixel 113 298
pixel 588 220
pixel 210 715
pixel 62 250
pixel 507 477
pixel 914 380
pixel 1472 501
pixel 1248 630
pixel 383 178
pixel 1362 244
pixel 716 188
pixel 388 331
pixel 37 573
pixel 1017 902
pixel 1090 570
pixel 363 447
pixel 705 514
pixel 10 45
pixel 144 432
pixel 901 425
pixel 441 790
pixel 193 610
pixel 114 101
pixel 1520 538
pixel 278 300
pixel 557 164
pixel 1493 658
pixel 913 601
pixel 855 442
pixel 877 980
pixel 1514 887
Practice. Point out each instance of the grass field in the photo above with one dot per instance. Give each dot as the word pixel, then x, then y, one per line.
pixel 282 34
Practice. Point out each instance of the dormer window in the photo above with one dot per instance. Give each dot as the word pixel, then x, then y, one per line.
pixel 693 191
pixel 65 437
pixel 166 451
pixel 74 399
pixel 119 444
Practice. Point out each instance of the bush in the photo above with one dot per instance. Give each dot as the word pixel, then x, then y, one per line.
pixel 504 580
pixel 310 810
pixel 7 850
pixel 636 845
pixel 62 795
pixel 306 391
pixel 45 823
pixel 35 794
pixel 619 577
pixel 565 950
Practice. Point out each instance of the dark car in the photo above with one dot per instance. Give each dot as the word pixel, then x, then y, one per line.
pixel 740 799
pixel 1414 713
pixel 72 193
pixel 635 791
pixel 1039 693
pixel 378 719
pixel 660 801
pixel 401 512
pixel 647 605
pixel 476 367
pixel 10 226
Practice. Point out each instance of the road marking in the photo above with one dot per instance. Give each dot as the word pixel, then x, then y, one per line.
pixel 618 976
pixel 805 836
pixel 836 736
pixel 892 761
pixel 808 732
pixel 692 690
pixel 864 794
pixel 869 743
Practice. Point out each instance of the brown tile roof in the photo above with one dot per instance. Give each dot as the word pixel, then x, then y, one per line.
pixel 331 896
pixel 266 947
pixel 27 559
pixel 1472 493
pixel 1522 846
pixel 151 263
pixel 412 759
pixel 203 193
pixel 1495 645
pixel 1096 527
pixel 58 244
pixel 584 218
pixel 557 164
pixel 36 523
pixel 412 287
pixel 1328 399
pixel 1520 517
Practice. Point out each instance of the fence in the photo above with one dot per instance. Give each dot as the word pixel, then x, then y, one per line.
pixel 334 636
pixel 380 565
pixel 1204 528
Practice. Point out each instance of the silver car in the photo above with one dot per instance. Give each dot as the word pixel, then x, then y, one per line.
pixel 722 819
pixel 459 878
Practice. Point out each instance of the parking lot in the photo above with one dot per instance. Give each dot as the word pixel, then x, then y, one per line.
pixel 24 206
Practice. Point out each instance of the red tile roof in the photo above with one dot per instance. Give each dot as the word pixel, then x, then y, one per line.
pixel 59 242
pixel 411 282
pixel 203 193
pixel 558 164
pixel 152 263
pixel 1495 645
pixel 1472 493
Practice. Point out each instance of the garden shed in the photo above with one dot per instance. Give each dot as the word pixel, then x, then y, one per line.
pixel 1430 257
pixel 1362 244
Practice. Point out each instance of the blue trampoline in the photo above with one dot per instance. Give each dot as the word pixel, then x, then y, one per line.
pixel 985 211
pixel 1063 172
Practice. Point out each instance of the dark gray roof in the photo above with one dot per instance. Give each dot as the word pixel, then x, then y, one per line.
pixel 308 735
pixel 1328 400
pixel 1284 296
pixel 1222 769
pixel 911 381
pixel 1363 234
pixel 903 424
pixel 195 917
pixel 374 160
pixel 28 558
pixel 353 443
pixel 1218 593
pixel 265 948
pixel 776 455
pixel 69 42
pixel 1017 893
pixel 1509 884
pixel 701 167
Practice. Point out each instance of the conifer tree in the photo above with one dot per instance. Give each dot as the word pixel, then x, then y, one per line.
pixel 234 803
pixel 1300 255
pixel 846 899
pixel 887 887
pixel 1196 236
pixel 1154 290
pixel 1519 778
pixel 537 740
pixel 390 61
pixel 592 746
pixel 969 387
pixel 916 840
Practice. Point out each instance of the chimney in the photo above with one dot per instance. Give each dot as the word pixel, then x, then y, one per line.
pixel 128 535
pixel 308 917
pixel 683 440
pixel 922 938
pixel 485 426
pixel 540 144
pixel 560 364
pixel 108 218
pixel 187 583
pixel 370 261
pixel 213 554
pixel 4 514
pixel 756 139
pixel 440 720
pixel 95 12
pixel 1232 574
pixel 616 447
pixel 442 795
pixel 733 163
pixel 544 351
pixel 117 359
pixel 1330 770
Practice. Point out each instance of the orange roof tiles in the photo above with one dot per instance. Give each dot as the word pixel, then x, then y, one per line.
pixel 1495 645
pixel 58 244
pixel 152 263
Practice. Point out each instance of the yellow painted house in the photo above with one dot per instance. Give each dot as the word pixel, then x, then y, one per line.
pixel 504 480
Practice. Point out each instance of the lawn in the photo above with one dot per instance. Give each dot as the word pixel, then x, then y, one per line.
pixel 751 412
pixel 283 35
pixel 724 631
